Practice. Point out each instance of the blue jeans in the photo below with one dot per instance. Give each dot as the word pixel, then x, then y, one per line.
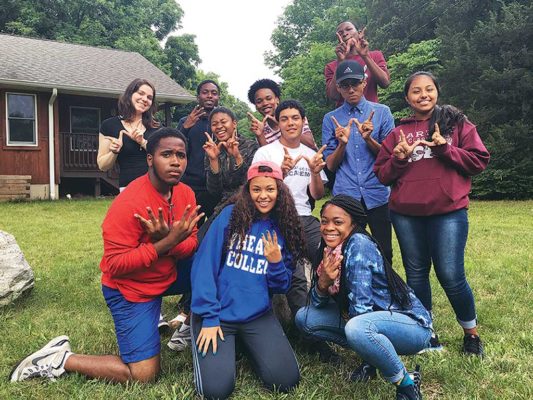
pixel 441 239
pixel 377 337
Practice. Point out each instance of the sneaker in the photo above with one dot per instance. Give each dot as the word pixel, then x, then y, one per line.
pixel 363 373
pixel 162 325
pixel 472 345
pixel 48 362
pixel 325 353
pixel 175 323
pixel 411 392
pixel 181 339
pixel 434 345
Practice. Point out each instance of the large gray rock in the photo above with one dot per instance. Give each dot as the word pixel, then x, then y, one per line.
pixel 16 275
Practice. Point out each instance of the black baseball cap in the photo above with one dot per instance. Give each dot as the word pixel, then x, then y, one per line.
pixel 349 69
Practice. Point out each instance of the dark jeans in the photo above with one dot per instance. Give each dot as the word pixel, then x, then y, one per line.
pixel 266 346
pixel 380 227
pixel 441 239
pixel 182 285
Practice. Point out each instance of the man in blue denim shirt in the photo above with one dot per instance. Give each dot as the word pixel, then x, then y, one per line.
pixel 353 133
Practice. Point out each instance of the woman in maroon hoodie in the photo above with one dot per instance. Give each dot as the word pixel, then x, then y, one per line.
pixel 428 161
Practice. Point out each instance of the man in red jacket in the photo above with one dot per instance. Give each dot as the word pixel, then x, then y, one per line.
pixel 138 268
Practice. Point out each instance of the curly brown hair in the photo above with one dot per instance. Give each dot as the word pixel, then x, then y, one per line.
pixel 284 214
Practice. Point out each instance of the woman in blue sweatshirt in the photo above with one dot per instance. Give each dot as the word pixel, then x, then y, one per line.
pixel 248 254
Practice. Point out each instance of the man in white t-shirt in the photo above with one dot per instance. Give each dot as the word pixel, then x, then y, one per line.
pixel 302 167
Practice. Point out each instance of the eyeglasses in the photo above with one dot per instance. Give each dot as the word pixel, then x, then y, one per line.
pixel 348 86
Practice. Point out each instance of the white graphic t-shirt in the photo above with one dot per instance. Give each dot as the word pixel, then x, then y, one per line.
pixel 298 178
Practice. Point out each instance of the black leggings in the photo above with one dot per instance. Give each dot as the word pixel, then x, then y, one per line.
pixel 266 346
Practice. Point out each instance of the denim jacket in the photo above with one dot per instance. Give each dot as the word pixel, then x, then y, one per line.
pixel 367 283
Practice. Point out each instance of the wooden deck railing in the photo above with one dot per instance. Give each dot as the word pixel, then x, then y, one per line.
pixel 79 151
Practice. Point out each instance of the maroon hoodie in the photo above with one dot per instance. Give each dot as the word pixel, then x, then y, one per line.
pixel 434 180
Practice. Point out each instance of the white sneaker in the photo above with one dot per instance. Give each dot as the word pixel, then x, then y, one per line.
pixel 48 362
pixel 181 339
pixel 162 325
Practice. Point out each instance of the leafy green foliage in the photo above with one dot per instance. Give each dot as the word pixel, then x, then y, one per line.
pixel 421 56
pixel 479 49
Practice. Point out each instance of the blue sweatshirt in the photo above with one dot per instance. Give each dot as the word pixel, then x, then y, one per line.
pixel 237 289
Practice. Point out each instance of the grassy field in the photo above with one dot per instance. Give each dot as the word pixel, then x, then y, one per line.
pixel 62 242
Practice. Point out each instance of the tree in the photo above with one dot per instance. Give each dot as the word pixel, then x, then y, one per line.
pixel 182 54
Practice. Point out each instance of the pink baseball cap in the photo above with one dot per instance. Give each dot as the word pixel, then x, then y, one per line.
pixel 265 168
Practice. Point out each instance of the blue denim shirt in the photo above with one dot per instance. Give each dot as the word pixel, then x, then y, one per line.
pixel 367 283
pixel 355 176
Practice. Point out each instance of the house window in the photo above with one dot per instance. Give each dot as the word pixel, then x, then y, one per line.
pixel 21 119
pixel 84 125
pixel 84 120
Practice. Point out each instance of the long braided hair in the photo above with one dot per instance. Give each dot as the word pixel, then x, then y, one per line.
pixel 397 287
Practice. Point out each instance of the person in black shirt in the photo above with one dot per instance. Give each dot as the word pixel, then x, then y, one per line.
pixel 123 138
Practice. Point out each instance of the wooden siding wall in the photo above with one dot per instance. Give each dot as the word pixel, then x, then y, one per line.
pixel 22 160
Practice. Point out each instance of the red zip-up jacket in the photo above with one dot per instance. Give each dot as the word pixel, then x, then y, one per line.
pixel 434 180
pixel 130 262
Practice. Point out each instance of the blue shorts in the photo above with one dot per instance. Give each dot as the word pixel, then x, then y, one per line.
pixel 135 326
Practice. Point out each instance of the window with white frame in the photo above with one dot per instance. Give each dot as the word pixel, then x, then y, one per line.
pixel 21 119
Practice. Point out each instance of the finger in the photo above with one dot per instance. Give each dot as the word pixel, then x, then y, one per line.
pixel 286 152
pixel 150 214
pixel 264 240
pixel 205 347
pixel 336 122
pixel 362 32
pixel 437 129
pixel 199 339
pixel 269 237
pixel 369 119
pixel 356 122
pixel 297 159
pixel 141 220
pixel 402 136
pixel 161 217
pixel 339 37
pixel 214 341
pixel 120 135
pixel 186 213
pixel 275 239
pixel 270 117
pixel 194 222
pixel 252 117
pixel 221 334
pixel 208 136
pixel 321 150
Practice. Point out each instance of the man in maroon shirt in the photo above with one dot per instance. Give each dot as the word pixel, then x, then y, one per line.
pixel 138 267
pixel 353 46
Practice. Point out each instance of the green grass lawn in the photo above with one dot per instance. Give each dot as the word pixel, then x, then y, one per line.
pixel 62 242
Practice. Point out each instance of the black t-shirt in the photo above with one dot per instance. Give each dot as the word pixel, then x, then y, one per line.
pixel 132 157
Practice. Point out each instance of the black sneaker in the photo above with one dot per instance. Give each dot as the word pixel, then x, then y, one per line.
pixel 434 345
pixel 472 345
pixel 411 392
pixel 363 373
pixel 325 353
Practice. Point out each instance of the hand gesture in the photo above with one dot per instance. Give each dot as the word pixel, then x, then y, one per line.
pixel 288 162
pixel 232 147
pixel 316 163
pixel 136 135
pixel 156 228
pixel 271 248
pixel 343 48
pixel 197 113
pixel 116 144
pixel 331 266
pixel 257 126
pixel 211 148
pixel 436 138
pixel 365 128
pixel 208 336
pixel 342 133
pixel 403 149
pixel 183 228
